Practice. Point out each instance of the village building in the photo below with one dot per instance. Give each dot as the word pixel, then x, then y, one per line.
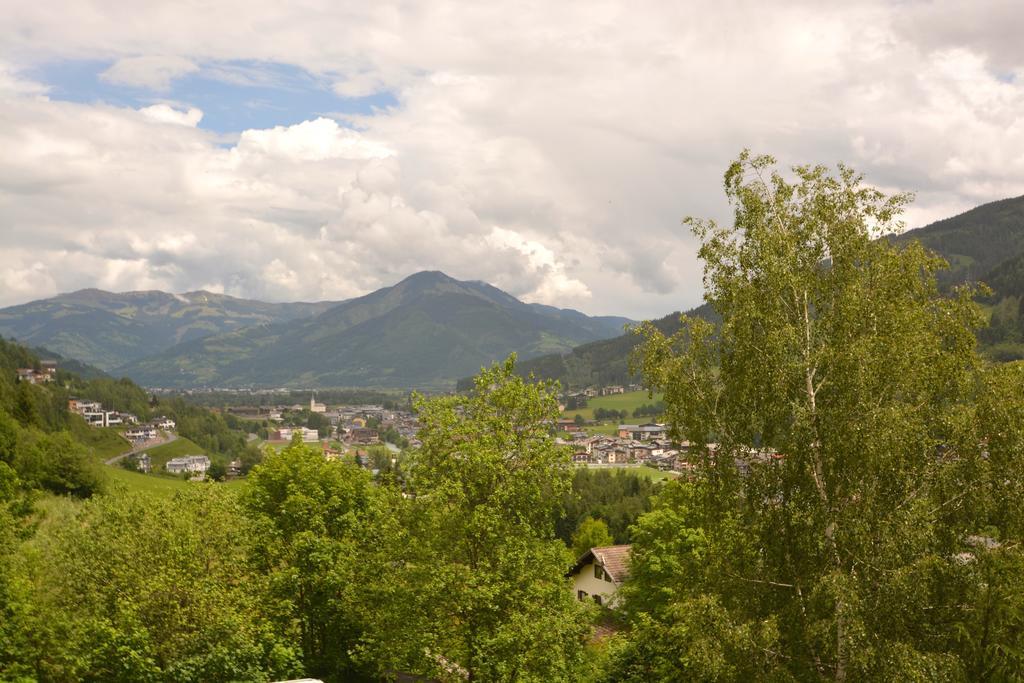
pixel 141 433
pixel 80 406
pixel 164 423
pixel 599 573
pixel 197 464
pixel 643 432
pixel 363 435
pixel 285 434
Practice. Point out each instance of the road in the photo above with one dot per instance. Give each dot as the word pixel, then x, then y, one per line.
pixel 152 443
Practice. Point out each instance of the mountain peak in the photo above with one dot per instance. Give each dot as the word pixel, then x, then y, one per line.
pixel 428 277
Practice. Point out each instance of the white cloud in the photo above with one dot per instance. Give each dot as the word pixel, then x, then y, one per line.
pixel 149 71
pixel 311 141
pixel 167 114
pixel 548 148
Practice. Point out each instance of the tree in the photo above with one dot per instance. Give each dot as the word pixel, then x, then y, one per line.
pixel 217 471
pixel 578 420
pixel 132 588
pixel 591 533
pixel 26 406
pixel 487 483
pixel 617 497
pixel 833 419
pixel 320 526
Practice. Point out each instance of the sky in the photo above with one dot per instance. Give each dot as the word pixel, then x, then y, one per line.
pixel 320 150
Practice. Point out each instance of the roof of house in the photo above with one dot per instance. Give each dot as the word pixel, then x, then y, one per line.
pixel 614 559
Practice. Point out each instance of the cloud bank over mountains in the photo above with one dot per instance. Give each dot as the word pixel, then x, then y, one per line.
pixel 548 149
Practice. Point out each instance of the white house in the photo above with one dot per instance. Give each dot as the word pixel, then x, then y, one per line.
pixel 140 433
pixel 165 423
pixel 599 573
pixel 188 463
pixel 308 435
pixel 102 418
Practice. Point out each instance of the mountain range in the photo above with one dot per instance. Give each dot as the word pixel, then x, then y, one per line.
pixel 108 330
pixel 429 329
pixel 425 331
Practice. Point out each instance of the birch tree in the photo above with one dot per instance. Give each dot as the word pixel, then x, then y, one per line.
pixel 834 421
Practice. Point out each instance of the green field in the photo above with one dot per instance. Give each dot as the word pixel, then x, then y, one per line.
pixel 159 455
pixel 643 471
pixel 144 483
pixel 606 429
pixel 151 484
pixel 104 442
pixel 629 401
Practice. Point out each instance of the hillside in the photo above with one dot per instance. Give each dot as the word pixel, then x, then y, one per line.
pixel 72 365
pixel 425 331
pixel 986 244
pixel 107 330
pixel 602 362
pixel 976 241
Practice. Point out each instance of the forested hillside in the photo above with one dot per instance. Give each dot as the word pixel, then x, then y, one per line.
pixel 602 362
pixel 974 242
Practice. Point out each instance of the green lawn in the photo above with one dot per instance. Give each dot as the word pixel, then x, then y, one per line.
pixel 628 401
pixel 105 442
pixel 643 471
pixel 159 455
pixel 652 474
pixel 150 484
pixel 608 429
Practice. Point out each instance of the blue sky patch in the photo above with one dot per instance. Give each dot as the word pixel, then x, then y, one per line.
pixel 234 96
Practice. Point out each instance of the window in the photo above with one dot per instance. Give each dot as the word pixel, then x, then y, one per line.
pixel 581 595
pixel 597 599
pixel 598 571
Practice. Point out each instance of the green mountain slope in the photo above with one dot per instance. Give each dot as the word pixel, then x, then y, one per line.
pixel 425 331
pixel 599 363
pixel 108 330
pixel 976 241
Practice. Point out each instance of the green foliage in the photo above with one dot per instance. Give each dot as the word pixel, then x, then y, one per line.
pixel 592 533
pixel 850 556
pixel 147 589
pixel 207 429
pixel 121 395
pixel 610 414
pixel 976 242
pixel 55 462
pixel 487 483
pixel 312 515
pixel 617 497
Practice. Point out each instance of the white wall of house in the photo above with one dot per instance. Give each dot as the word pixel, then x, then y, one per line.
pixel 584 580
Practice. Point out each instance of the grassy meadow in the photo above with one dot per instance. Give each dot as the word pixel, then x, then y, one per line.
pixel 629 401
pixel 105 442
